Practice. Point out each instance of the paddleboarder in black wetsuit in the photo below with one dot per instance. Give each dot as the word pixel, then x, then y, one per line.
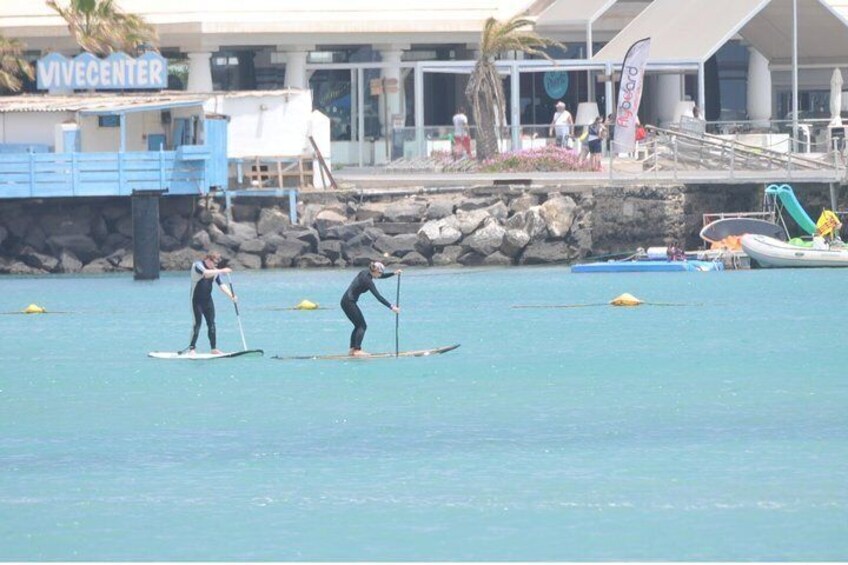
pixel 364 282
pixel 203 274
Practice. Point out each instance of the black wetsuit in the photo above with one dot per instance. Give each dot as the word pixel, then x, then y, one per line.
pixel 363 282
pixel 201 302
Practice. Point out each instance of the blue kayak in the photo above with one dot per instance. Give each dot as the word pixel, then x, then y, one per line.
pixel 648 266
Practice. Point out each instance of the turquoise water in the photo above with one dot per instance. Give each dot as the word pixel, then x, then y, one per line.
pixel 715 430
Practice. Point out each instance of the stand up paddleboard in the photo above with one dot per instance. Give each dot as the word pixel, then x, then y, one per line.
pixel 250 353
pixel 418 353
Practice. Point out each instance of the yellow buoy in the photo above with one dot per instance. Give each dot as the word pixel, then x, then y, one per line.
pixel 34 309
pixel 625 299
pixel 306 305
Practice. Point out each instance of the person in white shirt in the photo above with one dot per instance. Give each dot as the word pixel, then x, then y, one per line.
pixel 461 136
pixel 562 124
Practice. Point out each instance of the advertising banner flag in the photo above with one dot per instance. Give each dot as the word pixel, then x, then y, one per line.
pixel 630 95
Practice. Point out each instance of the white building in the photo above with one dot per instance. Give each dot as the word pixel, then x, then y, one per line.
pixel 733 57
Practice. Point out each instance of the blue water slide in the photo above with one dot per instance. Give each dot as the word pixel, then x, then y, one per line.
pixel 791 205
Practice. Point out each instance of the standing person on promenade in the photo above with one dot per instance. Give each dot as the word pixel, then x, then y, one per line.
pixel 597 132
pixel 562 124
pixel 203 274
pixel 461 135
pixel 364 282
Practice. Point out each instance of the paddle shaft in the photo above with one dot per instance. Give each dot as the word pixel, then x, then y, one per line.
pixel 397 319
pixel 238 317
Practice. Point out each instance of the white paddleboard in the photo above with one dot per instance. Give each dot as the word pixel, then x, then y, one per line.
pixel 418 353
pixel 205 356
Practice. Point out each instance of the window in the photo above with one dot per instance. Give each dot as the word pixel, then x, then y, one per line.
pixel 109 121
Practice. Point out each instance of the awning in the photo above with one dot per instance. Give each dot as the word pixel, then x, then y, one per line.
pixel 692 31
pixel 577 13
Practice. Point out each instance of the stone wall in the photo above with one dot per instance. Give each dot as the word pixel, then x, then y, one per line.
pixel 482 226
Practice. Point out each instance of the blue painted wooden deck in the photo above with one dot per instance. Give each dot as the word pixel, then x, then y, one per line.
pixel 54 175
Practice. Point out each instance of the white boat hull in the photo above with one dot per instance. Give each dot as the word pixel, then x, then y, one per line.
pixel 770 252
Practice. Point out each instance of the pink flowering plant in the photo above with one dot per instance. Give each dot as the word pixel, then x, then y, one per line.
pixel 542 159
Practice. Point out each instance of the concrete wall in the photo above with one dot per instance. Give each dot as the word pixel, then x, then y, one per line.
pixel 266 126
pixel 31 127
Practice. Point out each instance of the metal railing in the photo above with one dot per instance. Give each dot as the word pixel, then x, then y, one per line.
pixel 53 175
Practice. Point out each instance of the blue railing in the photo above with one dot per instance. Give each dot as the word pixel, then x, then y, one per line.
pixel 54 175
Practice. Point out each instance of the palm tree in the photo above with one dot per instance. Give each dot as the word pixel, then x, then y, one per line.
pixel 485 90
pixel 12 65
pixel 101 27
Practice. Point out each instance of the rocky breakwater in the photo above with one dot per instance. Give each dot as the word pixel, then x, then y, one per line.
pixel 530 229
pixel 335 230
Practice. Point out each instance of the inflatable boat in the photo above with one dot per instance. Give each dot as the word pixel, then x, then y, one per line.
pixel 771 252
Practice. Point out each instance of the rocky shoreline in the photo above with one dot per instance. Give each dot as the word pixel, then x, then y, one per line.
pixel 496 226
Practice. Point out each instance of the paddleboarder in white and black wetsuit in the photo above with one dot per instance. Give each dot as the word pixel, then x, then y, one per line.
pixel 364 282
pixel 204 274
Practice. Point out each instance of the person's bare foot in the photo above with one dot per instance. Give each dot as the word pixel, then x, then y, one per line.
pixel 216 352
pixel 359 353
pixel 190 352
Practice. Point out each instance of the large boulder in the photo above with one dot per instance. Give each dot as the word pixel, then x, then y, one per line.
pixel 249 260
pixel 514 242
pixel 531 222
pixel 305 234
pixel 3 234
pixel 487 239
pixel 327 219
pixel 497 259
pixel 346 232
pixel 286 252
pixel 124 226
pixel 100 265
pixel 80 245
pixel 471 259
pixel 311 260
pixel 179 260
pixel 168 243
pixel 99 228
pixel 331 249
pixel 544 252
pixel 69 263
pixel 38 260
pixel 468 222
pixel 242 231
pixel 414 259
pixel 371 211
pixel 440 232
pixel 407 210
pixel 245 212
pixel 254 246
pixel 176 226
pixel 498 211
pixel 221 238
pixel 447 256
pixel 271 221
pixel 200 240
pixel 36 238
pixel 439 209
pixel 523 203
pixel 398 245
pixel 469 204
pixel 559 214
pixel 75 220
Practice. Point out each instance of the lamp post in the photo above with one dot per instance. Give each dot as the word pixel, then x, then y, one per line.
pixel 795 74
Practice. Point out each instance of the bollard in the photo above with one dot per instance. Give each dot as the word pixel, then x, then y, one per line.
pixel 145 223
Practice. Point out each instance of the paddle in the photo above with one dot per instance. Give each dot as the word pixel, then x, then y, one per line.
pixel 238 318
pixel 397 319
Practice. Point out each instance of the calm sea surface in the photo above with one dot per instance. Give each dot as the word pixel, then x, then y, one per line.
pixel 713 429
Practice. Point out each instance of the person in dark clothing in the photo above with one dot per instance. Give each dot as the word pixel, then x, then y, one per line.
pixel 204 274
pixel 364 282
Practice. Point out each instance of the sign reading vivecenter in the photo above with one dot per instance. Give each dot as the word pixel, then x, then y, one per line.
pixel 115 72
